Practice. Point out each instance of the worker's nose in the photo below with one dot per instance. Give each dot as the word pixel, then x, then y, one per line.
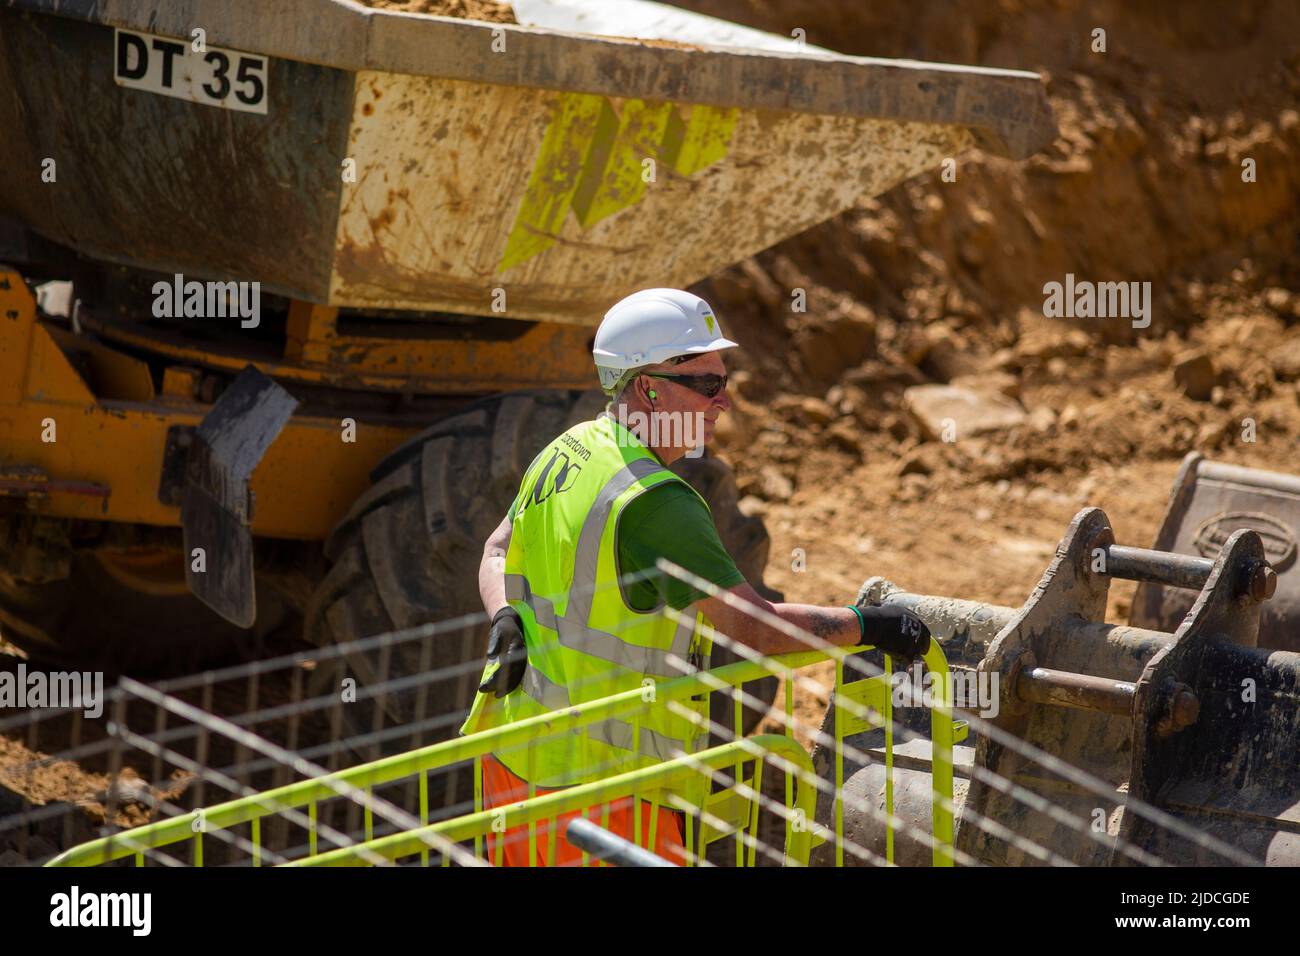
pixel 722 400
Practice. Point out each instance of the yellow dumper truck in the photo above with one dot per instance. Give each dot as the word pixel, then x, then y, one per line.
pixel 334 275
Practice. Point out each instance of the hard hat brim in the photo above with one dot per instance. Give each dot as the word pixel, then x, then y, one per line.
pixel 655 356
pixel 717 345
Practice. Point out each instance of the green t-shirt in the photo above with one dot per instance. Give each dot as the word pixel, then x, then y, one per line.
pixel 669 521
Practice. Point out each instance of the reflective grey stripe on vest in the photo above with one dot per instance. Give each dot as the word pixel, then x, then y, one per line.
pixel 616 733
pixel 586 556
pixel 542 689
pixel 586 560
pixel 602 644
pixel 682 636
pixel 573 629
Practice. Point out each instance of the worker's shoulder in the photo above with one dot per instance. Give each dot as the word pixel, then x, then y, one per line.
pixel 667 500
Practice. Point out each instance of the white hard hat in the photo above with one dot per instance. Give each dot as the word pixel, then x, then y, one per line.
pixel 652 326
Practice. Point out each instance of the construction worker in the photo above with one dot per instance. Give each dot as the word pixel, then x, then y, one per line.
pixel 577 605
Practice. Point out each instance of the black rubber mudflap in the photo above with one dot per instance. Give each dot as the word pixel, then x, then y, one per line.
pixel 216 506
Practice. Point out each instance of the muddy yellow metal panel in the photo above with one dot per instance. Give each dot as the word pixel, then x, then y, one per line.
pixel 620 193
pixel 58 433
pixel 381 160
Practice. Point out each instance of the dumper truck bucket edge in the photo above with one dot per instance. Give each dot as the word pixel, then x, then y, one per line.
pixel 378 160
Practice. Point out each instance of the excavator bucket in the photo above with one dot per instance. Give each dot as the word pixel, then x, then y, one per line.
pixel 1109 744
pixel 1211 500
pixel 380 160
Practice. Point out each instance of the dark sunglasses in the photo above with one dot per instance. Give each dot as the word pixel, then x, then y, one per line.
pixel 706 385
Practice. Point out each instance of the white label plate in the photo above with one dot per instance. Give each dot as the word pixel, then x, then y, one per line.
pixel 227 79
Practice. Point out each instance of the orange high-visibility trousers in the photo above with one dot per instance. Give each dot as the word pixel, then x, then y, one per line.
pixel 501 786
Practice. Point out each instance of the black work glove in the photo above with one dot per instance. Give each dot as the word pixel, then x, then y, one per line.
pixel 896 631
pixel 506 654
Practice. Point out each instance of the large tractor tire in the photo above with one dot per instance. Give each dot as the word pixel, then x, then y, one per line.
pixel 133 615
pixel 408 553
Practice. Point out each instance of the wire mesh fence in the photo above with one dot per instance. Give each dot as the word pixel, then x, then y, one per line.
pixel 351 755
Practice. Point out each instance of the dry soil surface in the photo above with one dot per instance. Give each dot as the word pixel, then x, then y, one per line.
pixel 488 10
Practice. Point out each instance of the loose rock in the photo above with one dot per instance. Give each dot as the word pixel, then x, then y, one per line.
pixel 1286 360
pixel 1042 418
pixel 1195 374
pixel 817 411
pixel 773 485
pixel 942 409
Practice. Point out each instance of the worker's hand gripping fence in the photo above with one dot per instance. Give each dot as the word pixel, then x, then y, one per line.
pixel 734 809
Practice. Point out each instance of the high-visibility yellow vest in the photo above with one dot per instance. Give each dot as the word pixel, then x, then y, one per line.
pixel 584 642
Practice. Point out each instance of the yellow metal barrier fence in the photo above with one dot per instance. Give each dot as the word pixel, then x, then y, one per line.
pixel 861 704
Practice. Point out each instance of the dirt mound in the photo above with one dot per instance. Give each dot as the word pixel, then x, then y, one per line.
pixel 1144 183
pixel 489 10
pixel 1175 165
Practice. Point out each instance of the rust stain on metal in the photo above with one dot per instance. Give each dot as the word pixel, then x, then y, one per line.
pixel 782 173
